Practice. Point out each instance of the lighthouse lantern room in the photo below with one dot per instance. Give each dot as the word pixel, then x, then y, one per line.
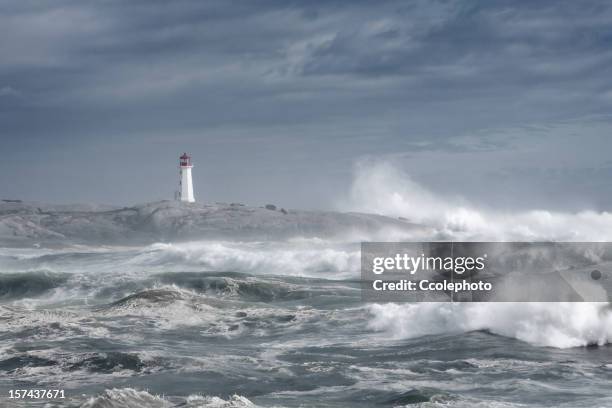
pixel 185 181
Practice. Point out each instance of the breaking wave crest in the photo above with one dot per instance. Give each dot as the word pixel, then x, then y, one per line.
pixel 172 308
pixel 126 397
pixel 131 398
pixel 560 325
pixel 311 258
pixel 27 284
pixel 244 287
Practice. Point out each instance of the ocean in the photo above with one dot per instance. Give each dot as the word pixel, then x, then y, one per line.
pixel 276 324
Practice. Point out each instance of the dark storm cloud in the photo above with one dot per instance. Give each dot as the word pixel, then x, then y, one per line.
pixel 290 90
pixel 488 38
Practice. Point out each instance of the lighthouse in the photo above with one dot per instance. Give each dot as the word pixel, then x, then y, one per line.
pixel 185 181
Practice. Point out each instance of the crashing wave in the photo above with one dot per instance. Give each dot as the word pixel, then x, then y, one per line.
pixel 561 325
pixel 384 188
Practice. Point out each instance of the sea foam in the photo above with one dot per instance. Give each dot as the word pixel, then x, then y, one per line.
pixel 560 325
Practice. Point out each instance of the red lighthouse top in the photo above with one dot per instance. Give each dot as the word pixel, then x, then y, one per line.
pixel 185 160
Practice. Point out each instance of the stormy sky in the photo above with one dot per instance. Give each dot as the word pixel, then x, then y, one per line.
pixel 505 103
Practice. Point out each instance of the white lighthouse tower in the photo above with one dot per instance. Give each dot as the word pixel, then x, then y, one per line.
pixel 185 182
